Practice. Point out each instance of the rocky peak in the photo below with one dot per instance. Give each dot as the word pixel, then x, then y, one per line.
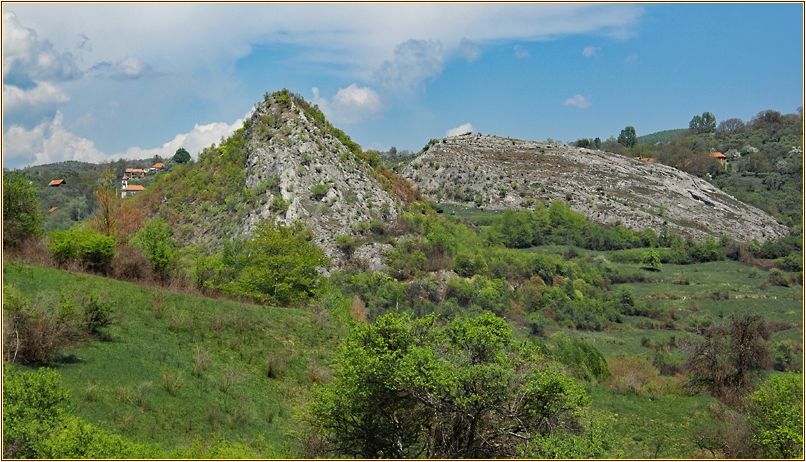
pixel 499 173
pixel 313 172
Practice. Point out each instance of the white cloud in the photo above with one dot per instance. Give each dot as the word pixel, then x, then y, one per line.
pixel 194 141
pixel 460 130
pixel 590 51
pixel 631 58
pixel 131 67
pixel 414 62
pixel 578 101
pixel 50 142
pixel 44 95
pixel 350 105
pixel 521 52
pixel 26 58
pixel 469 49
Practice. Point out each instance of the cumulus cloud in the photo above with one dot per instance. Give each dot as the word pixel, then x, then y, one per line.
pixel 350 105
pixel 460 130
pixel 521 52
pixel 51 142
pixel 414 62
pixel 26 58
pixel 578 101
pixel 469 50
pixel 43 96
pixel 590 51
pixel 194 141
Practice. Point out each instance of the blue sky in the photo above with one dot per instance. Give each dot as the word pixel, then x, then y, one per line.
pixel 96 82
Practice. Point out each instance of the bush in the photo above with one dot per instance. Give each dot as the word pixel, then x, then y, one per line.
pixel 85 245
pixel 776 413
pixel 32 334
pixel 319 191
pixel 585 361
pixel 21 216
pixel 33 405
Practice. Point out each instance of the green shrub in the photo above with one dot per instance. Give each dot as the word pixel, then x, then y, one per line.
pixel 85 245
pixel 34 404
pixel 319 191
pixel 776 412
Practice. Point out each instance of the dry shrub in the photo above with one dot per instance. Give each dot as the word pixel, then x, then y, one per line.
pixel 358 309
pixel 767 328
pixel 633 375
pixel 34 332
pixel 33 252
pixel 276 364
pixel 730 438
pixel 129 264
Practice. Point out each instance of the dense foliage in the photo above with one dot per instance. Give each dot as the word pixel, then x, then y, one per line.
pixel 21 215
pixel 408 388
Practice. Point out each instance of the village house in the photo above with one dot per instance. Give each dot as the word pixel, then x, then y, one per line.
pixel 132 172
pixel 722 158
pixel 130 189
pixel 156 167
pixel 57 183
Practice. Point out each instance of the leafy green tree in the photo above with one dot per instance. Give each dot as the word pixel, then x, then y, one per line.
pixel 627 137
pixel 776 412
pixel 706 123
pixel 21 215
pixel 651 260
pixel 181 156
pixel 280 265
pixel 159 246
pixel 410 389
pixel 34 403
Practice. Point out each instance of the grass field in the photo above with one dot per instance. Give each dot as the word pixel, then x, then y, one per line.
pixel 175 368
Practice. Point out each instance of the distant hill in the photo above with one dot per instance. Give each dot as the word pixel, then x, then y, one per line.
pixel 663 136
pixel 500 173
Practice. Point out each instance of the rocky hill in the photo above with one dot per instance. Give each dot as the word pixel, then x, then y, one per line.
pixel 286 164
pixel 315 177
pixel 499 173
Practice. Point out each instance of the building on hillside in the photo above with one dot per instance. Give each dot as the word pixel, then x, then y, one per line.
pixel 57 183
pixel 722 158
pixel 130 189
pixel 52 209
pixel 156 167
pixel 132 172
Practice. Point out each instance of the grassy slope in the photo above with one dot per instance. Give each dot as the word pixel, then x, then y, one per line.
pixel 118 383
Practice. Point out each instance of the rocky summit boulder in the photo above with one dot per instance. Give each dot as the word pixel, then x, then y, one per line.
pixel 500 173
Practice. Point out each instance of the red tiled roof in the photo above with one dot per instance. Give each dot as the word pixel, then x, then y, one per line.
pixel 719 155
pixel 134 187
pixel 52 209
pixel 158 165
pixel 57 183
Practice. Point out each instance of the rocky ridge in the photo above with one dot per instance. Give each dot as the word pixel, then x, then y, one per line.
pixel 500 173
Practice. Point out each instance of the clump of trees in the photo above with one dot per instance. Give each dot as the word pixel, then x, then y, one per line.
pixel 408 388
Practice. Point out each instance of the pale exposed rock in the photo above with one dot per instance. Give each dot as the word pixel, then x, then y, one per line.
pixel 500 173
pixel 301 156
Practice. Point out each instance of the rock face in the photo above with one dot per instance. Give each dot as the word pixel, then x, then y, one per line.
pixel 500 173
pixel 313 177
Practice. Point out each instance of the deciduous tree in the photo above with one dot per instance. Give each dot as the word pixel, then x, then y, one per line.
pixel 410 389
pixel 627 137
